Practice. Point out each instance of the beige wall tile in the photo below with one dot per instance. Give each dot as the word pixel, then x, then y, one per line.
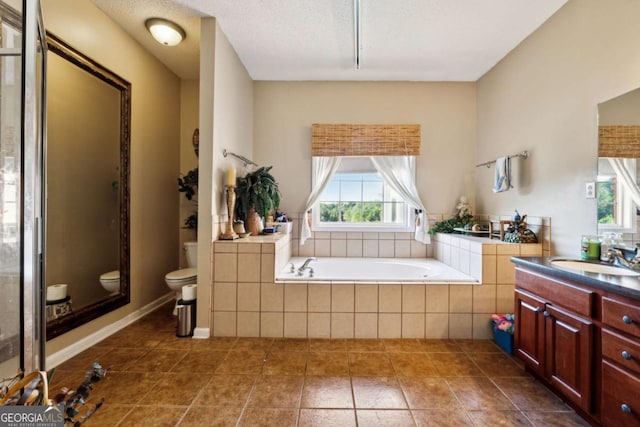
pixel 271 297
pixel 475 247
pixel 249 297
pixel 506 270
pixel 454 260
pixel 464 261
pixel 475 266
pixel 403 249
pixel 338 235
pixel 484 299
pixel 323 248
pixel 489 249
pixel 370 248
pixel 436 326
pixel 505 301
pixel 249 267
pixel 460 299
pixel 295 298
pixel 250 248
pixel 295 325
pixel 508 249
pixel 342 325
pixel 268 248
pixel 386 248
pixel 271 324
pixel 225 267
pixel 354 248
pixel 308 249
pixel 367 235
pixel 338 247
pixel 248 324
pixel 386 236
pixel 319 298
pixel 460 326
pixel 224 296
pixel 413 298
pixel 366 299
pixel 418 249
pixel 481 327
pixel 319 325
pixel 342 298
pixel 353 235
pixel 225 247
pixel 531 249
pixel 413 325
pixel 389 325
pixel 366 325
pixel 267 267
pixel 489 268
pixel 224 324
pixel 325 235
pixel 390 298
pixel 437 298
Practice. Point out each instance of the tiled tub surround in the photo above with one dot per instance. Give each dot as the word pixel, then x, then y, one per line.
pixel 248 303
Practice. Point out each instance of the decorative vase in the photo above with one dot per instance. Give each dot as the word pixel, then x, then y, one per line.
pixel 253 224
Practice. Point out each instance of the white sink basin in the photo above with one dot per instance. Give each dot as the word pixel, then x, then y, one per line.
pixel 594 268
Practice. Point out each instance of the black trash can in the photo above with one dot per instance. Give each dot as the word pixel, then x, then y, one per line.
pixel 186 318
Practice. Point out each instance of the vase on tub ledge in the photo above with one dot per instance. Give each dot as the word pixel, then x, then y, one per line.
pixel 253 224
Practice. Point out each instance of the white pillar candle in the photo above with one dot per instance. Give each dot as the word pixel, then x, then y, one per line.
pixel 231 177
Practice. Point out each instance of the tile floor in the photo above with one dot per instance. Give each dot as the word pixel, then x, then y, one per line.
pixel 157 379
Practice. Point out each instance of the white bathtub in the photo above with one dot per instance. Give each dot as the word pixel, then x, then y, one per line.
pixel 368 270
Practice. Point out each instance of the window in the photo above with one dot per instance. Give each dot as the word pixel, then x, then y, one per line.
pixel 358 198
pixel 616 210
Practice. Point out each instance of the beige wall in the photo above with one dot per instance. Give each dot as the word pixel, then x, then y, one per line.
pixel 543 97
pixel 155 135
pixel 188 160
pixel 284 112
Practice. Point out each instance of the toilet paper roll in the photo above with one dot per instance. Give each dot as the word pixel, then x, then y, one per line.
pixel 189 292
pixel 56 292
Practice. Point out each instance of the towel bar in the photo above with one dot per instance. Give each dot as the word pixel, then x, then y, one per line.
pixel 524 155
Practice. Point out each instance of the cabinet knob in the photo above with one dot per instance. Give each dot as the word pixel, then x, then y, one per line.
pixel 626 319
pixel 626 355
pixel 625 408
pixel 546 314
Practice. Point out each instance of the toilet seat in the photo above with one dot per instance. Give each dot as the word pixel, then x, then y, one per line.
pixel 187 275
pixel 110 276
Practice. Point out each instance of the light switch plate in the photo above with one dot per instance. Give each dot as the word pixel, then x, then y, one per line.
pixel 590 190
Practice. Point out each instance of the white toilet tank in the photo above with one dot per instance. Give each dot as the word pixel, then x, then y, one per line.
pixel 191 249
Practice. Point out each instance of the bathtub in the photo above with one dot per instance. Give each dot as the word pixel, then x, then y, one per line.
pixel 373 270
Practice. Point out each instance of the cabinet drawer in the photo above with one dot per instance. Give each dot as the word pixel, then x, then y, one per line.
pixel 620 398
pixel 621 350
pixel 621 315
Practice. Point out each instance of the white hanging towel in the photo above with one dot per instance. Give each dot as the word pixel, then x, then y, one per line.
pixel 503 175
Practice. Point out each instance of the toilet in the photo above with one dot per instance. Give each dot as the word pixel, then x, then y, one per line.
pixel 185 276
pixel 110 281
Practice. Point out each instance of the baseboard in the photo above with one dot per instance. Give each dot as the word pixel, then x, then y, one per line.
pixel 79 346
pixel 201 333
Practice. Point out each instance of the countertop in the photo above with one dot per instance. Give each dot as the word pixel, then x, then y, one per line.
pixel 628 286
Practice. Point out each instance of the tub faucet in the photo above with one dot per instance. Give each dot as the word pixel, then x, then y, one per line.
pixel 618 256
pixel 304 266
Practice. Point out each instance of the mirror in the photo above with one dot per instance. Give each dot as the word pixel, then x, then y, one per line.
pixel 87 188
pixel 618 149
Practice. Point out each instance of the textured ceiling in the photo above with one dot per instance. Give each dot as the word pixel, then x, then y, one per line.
pixel 416 40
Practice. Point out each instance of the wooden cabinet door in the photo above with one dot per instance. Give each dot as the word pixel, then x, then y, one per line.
pixel 568 361
pixel 529 330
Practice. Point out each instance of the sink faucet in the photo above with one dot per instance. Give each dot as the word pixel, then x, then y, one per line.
pixel 617 256
pixel 304 266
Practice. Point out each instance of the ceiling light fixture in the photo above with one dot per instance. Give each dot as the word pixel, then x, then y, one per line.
pixel 165 32
pixel 357 30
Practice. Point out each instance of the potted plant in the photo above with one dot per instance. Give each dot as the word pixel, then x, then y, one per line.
pixel 188 185
pixel 257 193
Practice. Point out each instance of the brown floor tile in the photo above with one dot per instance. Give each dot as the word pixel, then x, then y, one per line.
pixel 556 419
pixel 479 394
pixel 329 363
pixel 214 343
pixel 497 365
pixel 134 339
pixel 285 363
pixel 384 418
pixel 441 418
pixel 154 416
pixel 108 415
pixel 125 387
pixel 63 378
pixel 479 346
pixel 158 360
pixel 429 393
pixel 242 362
pixel 455 365
pixel 441 346
pixel 290 344
pixel 529 394
pixel 118 359
pixel 360 345
pixel 172 342
pixel 413 365
pixel 226 390
pixel 175 389
pixel 322 345
pixel 378 393
pixel 327 392
pixel 370 364
pixel 202 362
pixel 252 344
pixel 499 418
pixel 268 417
pixel 276 391
pixel 84 361
pixel 199 416
pixel 404 345
pixel 327 418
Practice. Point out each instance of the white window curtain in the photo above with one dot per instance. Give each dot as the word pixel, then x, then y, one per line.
pixel 626 178
pixel 323 170
pixel 399 173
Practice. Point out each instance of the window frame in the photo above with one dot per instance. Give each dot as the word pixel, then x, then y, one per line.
pixel 625 208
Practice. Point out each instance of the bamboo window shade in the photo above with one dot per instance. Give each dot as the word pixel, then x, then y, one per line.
pixel 328 140
pixel 619 141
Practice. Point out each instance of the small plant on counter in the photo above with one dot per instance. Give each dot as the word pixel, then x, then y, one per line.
pixel 447 226
pixel 257 193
